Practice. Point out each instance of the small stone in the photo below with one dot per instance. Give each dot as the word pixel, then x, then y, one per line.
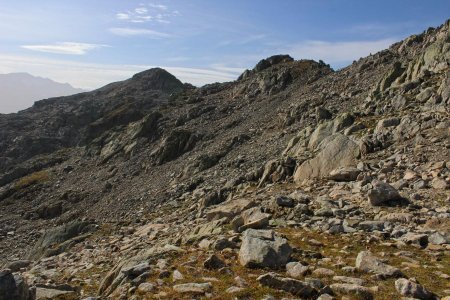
pixel 213 263
pixel 194 288
pixel 352 290
pixel 439 184
pixel 296 270
pixel 284 201
pixel 146 287
pixel 177 276
pixel 234 289
pixel 350 280
pixel 293 286
pixel 323 272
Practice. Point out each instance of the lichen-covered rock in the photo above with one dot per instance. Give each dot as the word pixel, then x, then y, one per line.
pixel 382 193
pixel 293 286
pixel 407 288
pixel 263 248
pixel 367 262
pixel 337 151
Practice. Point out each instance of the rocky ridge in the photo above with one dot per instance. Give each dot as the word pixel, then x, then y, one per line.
pixel 294 181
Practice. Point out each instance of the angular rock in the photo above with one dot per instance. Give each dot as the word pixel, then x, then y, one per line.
pixel 382 193
pixel 337 151
pixel 50 293
pixel 408 288
pixel 323 272
pixel 263 248
pixel 439 184
pixel 13 287
pixel 146 287
pixel 213 262
pixel 344 174
pixel 250 218
pixel 293 286
pixel 297 270
pixel 350 280
pixel 230 209
pixel 438 239
pixel 366 262
pixel 16 265
pixel 284 201
pixel 352 290
pixel 417 239
pixel 194 288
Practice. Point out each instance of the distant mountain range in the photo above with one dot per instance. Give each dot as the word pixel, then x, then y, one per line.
pixel 20 90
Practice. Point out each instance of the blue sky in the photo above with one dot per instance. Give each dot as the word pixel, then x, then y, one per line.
pixel 92 43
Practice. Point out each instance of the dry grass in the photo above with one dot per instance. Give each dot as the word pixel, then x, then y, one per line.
pixel 34 178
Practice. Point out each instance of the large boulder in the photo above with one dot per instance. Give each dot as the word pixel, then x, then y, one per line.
pixel 336 151
pixel 263 248
pixel 367 262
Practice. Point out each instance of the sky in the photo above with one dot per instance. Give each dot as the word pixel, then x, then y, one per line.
pixel 91 43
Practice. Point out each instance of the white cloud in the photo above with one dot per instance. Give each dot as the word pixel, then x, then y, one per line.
pixel 123 16
pixel 158 6
pixel 145 13
pixel 92 76
pixel 65 48
pixel 141 10
pixel 127 31
pixel 337 53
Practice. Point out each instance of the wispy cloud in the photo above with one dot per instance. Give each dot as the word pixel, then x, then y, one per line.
pixel 158 6
pixel 70 48
pixel 92 76
pixel 337 54
pixel 148 12
pixel 128 31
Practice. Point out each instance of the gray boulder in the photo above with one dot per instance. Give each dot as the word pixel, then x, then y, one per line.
pixel 438 239
pixel 336 151
pixel 410 289
pixel 366 262
pixel 293 286
pixel 382 193
pixel 263 248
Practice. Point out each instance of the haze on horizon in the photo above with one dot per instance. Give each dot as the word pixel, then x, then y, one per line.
pixel 90 44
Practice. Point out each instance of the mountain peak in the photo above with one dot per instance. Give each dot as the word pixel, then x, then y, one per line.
pixel 159 79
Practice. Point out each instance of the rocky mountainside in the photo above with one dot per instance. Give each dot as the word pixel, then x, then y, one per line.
pixel 20 90
pixel 294 181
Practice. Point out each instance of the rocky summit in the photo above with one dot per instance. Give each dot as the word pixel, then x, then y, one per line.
pixel 293 182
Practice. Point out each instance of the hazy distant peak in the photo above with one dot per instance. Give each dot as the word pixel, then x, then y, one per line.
pixel 20 90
